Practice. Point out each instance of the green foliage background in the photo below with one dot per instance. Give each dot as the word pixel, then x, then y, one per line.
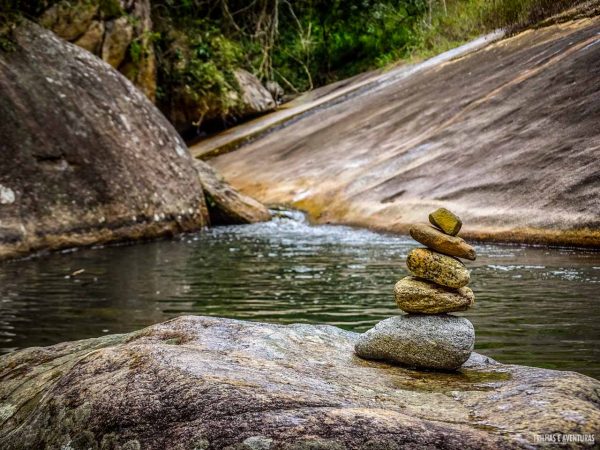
pixel 304 44
pixel 301 44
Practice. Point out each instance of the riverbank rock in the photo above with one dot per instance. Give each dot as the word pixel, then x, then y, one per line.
pixel 440 269
pixel 211 383
pixel 87 158
pixel 423 341
pixel 225 205
pixel 256 99
pixel 414 295
pixel 440 242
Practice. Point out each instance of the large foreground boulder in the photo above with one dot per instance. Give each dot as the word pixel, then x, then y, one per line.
pixel 210 383
pixel 86 158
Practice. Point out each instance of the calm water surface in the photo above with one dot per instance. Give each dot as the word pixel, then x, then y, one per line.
pixel 534 306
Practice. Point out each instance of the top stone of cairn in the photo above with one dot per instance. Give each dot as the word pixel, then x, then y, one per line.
pixel 446 221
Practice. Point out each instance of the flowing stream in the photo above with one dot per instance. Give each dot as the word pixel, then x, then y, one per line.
pixel 534 306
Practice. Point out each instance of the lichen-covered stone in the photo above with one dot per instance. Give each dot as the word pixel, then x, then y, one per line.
pixel 423 341
pixel 211 383
pixel 443 243
pixel 440 269
pixel 415 295
pixel 446 221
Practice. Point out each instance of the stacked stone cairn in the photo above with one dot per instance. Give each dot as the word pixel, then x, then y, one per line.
pixel 428 337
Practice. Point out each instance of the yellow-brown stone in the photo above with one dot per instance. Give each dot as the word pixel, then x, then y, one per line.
pixel 415 295
pixel 446 221
pixel 440 269
pixel 436 240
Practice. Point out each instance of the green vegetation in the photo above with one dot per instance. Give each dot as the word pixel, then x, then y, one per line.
pixel 195 66
pixel 299 44
pixel 454 22
pixel 305 44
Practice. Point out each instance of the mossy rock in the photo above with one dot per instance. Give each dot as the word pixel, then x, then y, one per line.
pixel 446 221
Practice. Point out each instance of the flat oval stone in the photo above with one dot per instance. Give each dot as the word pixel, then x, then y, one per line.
pixel 415 295
pixel 446 221
pixel 440 269
pixel 436 240
pixel 430 342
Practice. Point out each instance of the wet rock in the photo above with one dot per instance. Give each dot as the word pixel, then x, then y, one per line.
pixel 436 240
pixel 446 221
pixel 415 295
pixel 86 157
pixel 255 98
pixel 211 383
pixel 422 341
pixel 226 205
pixel 440 269
pixel 119 34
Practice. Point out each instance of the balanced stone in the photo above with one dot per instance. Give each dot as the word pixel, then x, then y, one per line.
pixel 423 341
pixel 436 240
pixel 414 295
pixel 440 269
pixel 446 221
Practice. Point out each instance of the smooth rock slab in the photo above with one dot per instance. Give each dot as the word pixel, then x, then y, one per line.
pixel 436 240
pixel 446 221
pixel 423 341
pixel 415 295
pixel 440 269
pixel 210 383
pixel 417 149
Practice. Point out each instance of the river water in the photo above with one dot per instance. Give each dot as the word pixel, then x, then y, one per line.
pixel 534 306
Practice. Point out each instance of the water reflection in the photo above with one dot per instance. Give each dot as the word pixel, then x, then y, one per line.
pixel 534 306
